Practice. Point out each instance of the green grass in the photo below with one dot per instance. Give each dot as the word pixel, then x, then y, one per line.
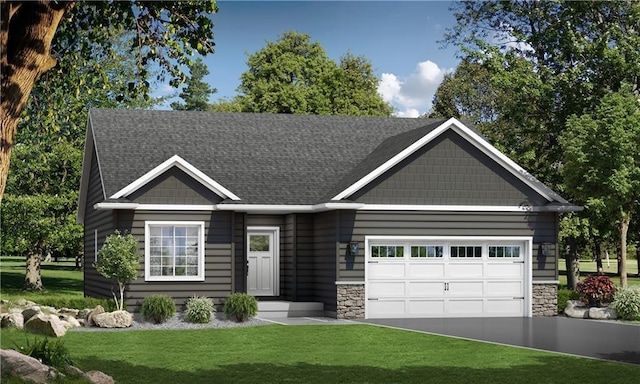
pixel 320 354
pixel 589 267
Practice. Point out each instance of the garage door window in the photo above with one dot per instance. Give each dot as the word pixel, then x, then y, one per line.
pixel 466 251
pixel 426 251
pixel 387 251
pixel 504 251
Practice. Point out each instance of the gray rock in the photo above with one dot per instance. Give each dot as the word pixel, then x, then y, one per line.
pixel 89 320
pixel 116 319
pixel 15 364
pixel 30 312
pixel 69 320
pixel 12 320
pixel 69 311
pixel 576 309
pixel 48 325
pixel 602 313
pixel 83 313
pixel 97 377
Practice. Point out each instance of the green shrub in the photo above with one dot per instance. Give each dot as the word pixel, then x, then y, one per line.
pixel 564 295
pixel 596 289
pixel 626 302
pixel 78 303
pixel 199 309
pixel 158 308
pixel 240 306
pixel 49 351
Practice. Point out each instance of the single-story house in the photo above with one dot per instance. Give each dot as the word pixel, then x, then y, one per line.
pixel 369 217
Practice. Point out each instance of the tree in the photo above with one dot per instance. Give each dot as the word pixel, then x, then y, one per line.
pixel 602 162
pixel 167 33
pixel 295 75
pixel 118 259
pixel 196 93
pixel 224 104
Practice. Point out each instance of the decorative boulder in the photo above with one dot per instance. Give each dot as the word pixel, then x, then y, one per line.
pixel 69 311
pixel 576 309
pixel 97 377
pixel 83 313
pixel 116 319
pixel 30 312
pixel 89 320
pixel 15 364
pixel 12 320
pixel 69 320
pixel 602 313
pixel 48 325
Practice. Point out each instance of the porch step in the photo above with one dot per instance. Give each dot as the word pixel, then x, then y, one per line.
pixel 281 309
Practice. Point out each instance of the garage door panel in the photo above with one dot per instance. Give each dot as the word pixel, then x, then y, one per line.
pixel 465 306
pixel 505 288
pixel 387 289
pixel 505 307
pixel 466 288
pixel 426 308
pixel 386 270
pixel 427 270
pixel 457 269
pixel 425 288
pixel 387 308
pixel 505 270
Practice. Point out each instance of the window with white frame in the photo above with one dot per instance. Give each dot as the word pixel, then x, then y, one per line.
pixel 174 251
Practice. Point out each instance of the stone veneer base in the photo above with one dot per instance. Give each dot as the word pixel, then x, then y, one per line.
pixel 350 301
pixel 545 300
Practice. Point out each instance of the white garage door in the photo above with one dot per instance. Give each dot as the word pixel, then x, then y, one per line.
pixel 447 277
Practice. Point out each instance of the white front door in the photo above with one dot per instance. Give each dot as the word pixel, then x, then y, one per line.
pixel 263 261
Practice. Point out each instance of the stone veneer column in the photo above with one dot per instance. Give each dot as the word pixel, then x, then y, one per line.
pixel 350 301
pixel 545 299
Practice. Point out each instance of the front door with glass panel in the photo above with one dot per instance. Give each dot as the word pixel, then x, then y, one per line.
pixel 262 261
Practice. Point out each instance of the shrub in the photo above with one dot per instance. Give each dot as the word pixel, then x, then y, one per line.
pixel 240 306
pixel 49 351
pixel 158 308
pixel 596 289
pixel 565 295
pixel 199 309
pixel 78 303
pixel 626 302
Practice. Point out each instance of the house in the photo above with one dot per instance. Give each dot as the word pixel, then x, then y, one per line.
pixel 369 217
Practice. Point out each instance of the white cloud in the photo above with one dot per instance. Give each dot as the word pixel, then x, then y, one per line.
pixel 413 95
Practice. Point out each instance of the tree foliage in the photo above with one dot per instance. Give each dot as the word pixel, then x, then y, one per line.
pixel 119 259
pixel 34 35
pixel 196 93
pixel 602 161
pixel 295 75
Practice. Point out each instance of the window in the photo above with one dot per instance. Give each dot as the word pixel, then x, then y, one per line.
pixel 174 251
pixel 387 251
pixel 466 251
pixel 504 251
pixel 426 250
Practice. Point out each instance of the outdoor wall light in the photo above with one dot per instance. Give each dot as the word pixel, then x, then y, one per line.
pixel 352 249
pixel 546 249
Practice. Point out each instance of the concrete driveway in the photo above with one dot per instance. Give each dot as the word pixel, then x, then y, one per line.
pixel 588 338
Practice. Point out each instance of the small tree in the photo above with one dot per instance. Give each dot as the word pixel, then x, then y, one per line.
pixel 119 260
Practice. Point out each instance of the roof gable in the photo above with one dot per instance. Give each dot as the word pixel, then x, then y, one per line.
pixel 182 164
pixel 379 162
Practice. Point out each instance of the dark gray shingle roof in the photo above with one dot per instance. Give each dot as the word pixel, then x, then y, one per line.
pixel 262 158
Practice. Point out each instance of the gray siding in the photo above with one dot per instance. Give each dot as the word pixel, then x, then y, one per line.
pixel 239 236
pixel 174 187
pixel 95 285
pixel 325 233
pixel 218 257
pixel 304 258
pixel 354 226
pixel 448 170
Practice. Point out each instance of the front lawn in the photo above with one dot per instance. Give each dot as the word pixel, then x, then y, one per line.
pixel 320 354
pixel 610 269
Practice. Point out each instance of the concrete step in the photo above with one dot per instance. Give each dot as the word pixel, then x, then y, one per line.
pixel 282 309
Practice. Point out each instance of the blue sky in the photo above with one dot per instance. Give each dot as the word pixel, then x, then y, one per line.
pixel 400 39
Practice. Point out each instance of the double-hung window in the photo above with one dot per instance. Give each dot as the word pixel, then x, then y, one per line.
pixel 174 251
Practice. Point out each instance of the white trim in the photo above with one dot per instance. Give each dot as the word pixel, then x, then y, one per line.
pixel 466 133
pixel 276 254
pixel 95 245
pixel 107 206
pixel 546 282
pixel 175 207
pixel 528 259
pixel 201 249
pixel 349 282
pixel 282 208
pixel 455 208
pixel 176 161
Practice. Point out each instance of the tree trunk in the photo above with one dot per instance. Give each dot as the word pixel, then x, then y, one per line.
pixel 598 251
pixel 573 269
pixel 26 32
pixel 32 278
pixel 622 267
